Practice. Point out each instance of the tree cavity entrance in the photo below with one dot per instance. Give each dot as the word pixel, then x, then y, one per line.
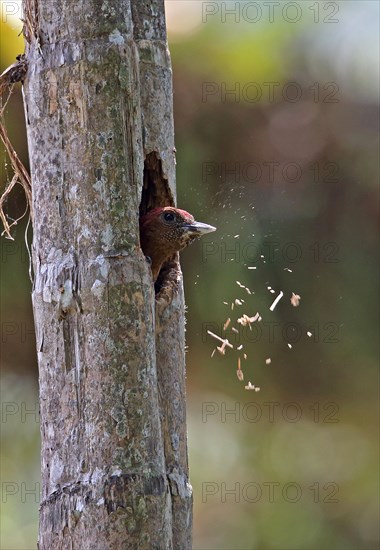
pixel 156 192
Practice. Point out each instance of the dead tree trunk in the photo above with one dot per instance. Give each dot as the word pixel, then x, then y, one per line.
pixel 98 103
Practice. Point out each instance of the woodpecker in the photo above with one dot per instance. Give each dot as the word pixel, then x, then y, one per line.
pixel 166 230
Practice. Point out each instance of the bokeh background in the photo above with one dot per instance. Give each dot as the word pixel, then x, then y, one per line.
pixel 276 122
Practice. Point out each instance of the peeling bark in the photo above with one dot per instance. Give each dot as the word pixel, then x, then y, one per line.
pixel 98 102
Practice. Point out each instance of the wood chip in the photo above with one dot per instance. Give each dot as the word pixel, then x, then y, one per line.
pixel 226 324
pixel 221 350
pixel 295 300
pixel 223 340
pixel 250 386
pixel 276 301
pixel 239 372
pixel 246 320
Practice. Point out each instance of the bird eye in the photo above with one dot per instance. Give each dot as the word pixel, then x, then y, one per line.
pixel 169 216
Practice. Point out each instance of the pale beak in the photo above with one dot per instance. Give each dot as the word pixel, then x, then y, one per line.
pixel 199 228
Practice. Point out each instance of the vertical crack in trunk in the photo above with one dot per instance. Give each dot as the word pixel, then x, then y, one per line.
pixel 156 192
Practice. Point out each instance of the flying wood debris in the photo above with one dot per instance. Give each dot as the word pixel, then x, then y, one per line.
pixel 227 323
pixel 276 301
pixel 246 320
pixel 250 386
pixel 295 300
pixel 243 286
pixel 239 372
pixel 223 340
pixel 222 349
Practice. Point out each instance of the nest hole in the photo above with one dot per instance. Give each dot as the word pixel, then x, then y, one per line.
pixel 156 192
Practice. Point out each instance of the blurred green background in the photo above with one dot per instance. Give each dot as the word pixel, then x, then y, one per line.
pixel 276 121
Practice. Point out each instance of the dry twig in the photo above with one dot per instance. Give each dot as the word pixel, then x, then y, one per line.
pixel 12 74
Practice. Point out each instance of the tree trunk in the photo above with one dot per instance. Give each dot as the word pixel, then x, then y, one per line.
pixel 98 103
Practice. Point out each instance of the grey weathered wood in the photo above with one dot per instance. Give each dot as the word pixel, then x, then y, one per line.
pixel 98 102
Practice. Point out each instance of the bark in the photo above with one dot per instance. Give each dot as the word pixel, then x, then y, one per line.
pixel 98 103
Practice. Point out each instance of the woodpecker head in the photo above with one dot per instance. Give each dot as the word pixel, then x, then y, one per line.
pixel 164 231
